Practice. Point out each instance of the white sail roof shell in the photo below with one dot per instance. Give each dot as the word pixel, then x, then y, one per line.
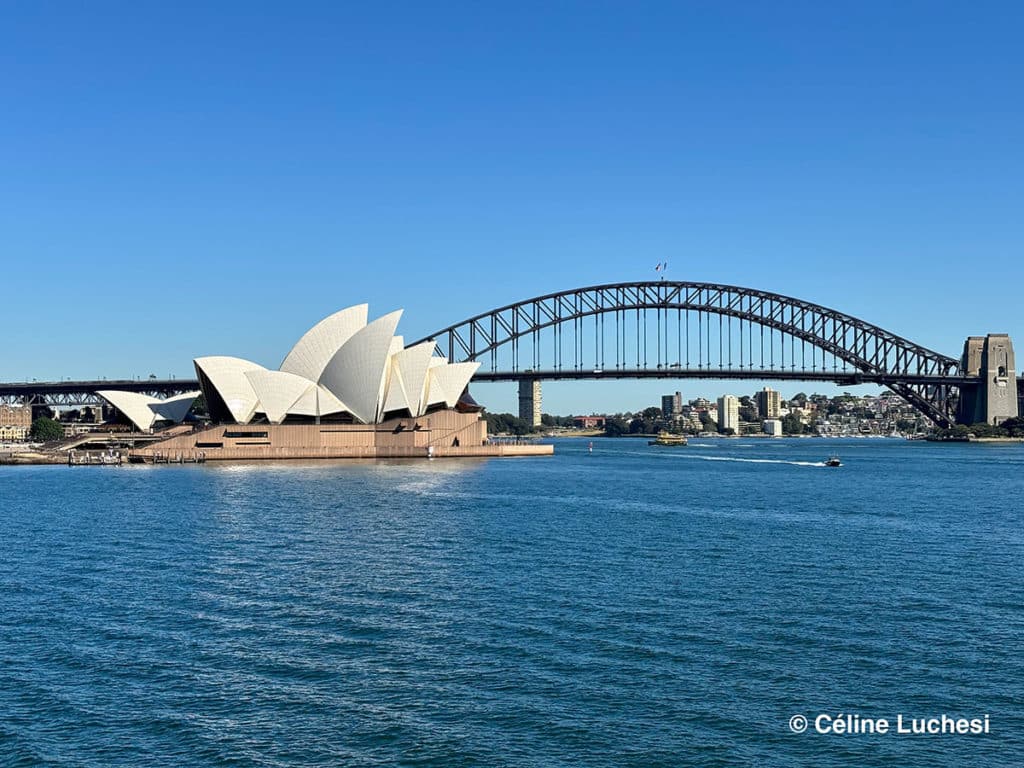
pixel 317 401
pixel 434 391
pixel 144 411
pixel 228 377
pixel 310 355
pixel 395 398
pixel 410 367
pixel 133 405
pixel 174 408
pixel 277 392
pixel 448 381
pixel 357 372
pixel 342 364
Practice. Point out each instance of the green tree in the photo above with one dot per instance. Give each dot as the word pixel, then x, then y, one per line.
pixel 707 422
pixel 978 430
pixel 548 420
pixel 652 414
pixel 45 430
pixel 1014 427
pixel 791 425
pixel 615 426
pixel 506 423
pixel 199 407
pixel 988 430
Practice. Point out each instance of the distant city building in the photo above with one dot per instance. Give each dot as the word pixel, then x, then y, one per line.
pixel 15 422
pixel 804 414
pixel 769 403
pixel 672 405
pixel 588 422
pixel 729 413
pixel 772 427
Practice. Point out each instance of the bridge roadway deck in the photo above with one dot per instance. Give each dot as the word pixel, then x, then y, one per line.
pixel 847 378
pixel 80 392
pixel 73 393
pixel 74 387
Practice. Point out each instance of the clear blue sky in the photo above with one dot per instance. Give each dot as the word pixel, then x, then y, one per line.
pixel 181 179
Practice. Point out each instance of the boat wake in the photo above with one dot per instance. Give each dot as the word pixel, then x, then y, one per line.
pixel 760 461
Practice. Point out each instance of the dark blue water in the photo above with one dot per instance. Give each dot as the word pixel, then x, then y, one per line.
pixel 634 607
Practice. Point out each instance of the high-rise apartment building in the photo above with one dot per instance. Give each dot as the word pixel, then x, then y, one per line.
pixel 729 413
pixel 769 403
pixel 672 405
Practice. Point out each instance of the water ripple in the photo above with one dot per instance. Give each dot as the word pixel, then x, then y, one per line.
pixel 626 607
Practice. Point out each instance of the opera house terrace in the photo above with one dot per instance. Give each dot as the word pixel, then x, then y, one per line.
pixel 347 389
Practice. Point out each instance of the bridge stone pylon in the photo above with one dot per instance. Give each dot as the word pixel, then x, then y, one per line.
pixel 530 401
pixel 993 397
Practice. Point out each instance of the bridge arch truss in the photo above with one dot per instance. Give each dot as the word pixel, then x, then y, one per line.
pixel 671 329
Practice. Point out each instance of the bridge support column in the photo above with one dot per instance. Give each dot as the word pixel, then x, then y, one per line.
pixel 529 401
pixel 994 398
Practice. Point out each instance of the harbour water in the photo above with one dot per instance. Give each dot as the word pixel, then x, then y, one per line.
pixel 634 606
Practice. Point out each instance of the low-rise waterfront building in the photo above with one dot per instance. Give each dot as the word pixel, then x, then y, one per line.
pixel 15 422
pixel 76 428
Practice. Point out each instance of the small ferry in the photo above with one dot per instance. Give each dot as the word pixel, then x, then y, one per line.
pixel 833 461
pixel 667 438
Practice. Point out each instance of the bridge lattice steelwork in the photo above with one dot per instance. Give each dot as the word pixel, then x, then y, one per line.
pixel 62 394
pixel 665 329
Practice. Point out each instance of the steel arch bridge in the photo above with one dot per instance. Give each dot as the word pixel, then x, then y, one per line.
pixel 65 394
pixel 668 329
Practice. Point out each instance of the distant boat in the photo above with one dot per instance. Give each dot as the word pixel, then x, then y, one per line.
pixel 833 461
pixel 667 438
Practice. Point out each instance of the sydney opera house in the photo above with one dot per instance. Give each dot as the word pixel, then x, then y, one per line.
pixel 348 388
